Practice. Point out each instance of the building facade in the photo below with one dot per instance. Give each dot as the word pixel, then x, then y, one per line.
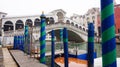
pixel 91 16
pixel 117 18
pixel 2 15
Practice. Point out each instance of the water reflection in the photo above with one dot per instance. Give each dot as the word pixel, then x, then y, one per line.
pixel 81 46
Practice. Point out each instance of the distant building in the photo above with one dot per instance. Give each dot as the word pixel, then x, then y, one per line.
pixel 2 15
pixel 117 18
pixel 91 16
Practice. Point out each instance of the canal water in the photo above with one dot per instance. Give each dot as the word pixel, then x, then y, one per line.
pixel 79 46
pixel 83 46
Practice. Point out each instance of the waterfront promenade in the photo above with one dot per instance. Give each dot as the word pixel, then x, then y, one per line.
pixel 16 58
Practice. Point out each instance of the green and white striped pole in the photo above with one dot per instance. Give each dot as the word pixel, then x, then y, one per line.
pixel 42 39
pixel 108 34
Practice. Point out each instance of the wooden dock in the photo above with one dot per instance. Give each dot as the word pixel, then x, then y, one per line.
pixel 47 53
pixel 8 61
pixel 24 60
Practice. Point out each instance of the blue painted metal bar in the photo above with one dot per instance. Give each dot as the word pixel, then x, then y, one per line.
pixel 65 41
pixel 52 48
pixel 90 45
pixel 15 42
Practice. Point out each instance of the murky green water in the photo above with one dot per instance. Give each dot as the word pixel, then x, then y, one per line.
pixel 83 46
pixel 80 46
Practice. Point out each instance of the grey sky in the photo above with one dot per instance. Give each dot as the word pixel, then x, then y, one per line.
pixel 33 7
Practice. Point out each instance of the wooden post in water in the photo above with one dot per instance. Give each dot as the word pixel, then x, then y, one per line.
pixel 90 55
pixel 65 41
pixel 52 48
pixel 43 39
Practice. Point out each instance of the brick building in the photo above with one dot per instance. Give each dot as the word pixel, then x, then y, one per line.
pixel 117 18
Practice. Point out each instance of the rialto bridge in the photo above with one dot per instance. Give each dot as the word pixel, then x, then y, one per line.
pixel 54 20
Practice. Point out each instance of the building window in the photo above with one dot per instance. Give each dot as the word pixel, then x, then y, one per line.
pixel 83 29
pixel 51 20
pixel 93 18
pixel 87 19
pixel 67 22
pixel 119 30
pixel 29 22
pixel 3 16
pixel 76 26
pixel 37 22
pixel 60 16
pixel 19 24
pixel 72 24
pixel 8 26
pixel 80 27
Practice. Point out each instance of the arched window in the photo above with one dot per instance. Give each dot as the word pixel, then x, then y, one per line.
pixel 93 18
pixel 76 26
pixel 19 24
pixel 60 16
pixel 51 20
pixel 37 22
pixel 67 22
pixel 80 27
pixel 83 29
pixel 8 26
pixel 88 19
pixel 72 24
pixel 29 22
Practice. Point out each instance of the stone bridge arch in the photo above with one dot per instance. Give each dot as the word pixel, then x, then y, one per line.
pixel 76 34
pixel 72 36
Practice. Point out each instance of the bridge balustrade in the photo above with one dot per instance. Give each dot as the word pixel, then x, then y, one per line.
pixel 48 27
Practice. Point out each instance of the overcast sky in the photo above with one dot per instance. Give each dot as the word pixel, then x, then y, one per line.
pixel 34 7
